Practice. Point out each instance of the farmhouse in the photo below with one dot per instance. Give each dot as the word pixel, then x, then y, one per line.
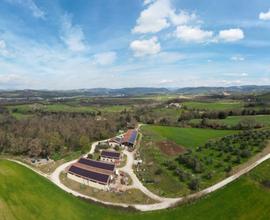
pixel 129 138
pixel 110 156
pixel 92 173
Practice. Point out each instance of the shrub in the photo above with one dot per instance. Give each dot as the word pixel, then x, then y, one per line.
pixel 158 171
pixel 194 184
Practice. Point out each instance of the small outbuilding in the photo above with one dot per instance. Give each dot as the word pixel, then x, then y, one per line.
pixel 110 156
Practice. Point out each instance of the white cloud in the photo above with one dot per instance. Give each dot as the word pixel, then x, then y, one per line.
pixel 231 35
pixel 3 49
pixel 237 58
pixel 30 5
pixel 265 15
pixel 7 78
pixel 160 15
pixel 2 44
pixel 14 81
pixel 164 82
pixel 169 57
pixel 154 18
pixel 145 47
pixel 182 17
pixel 193 34
pixel 72 35
pixel 147 2
pixel 105 58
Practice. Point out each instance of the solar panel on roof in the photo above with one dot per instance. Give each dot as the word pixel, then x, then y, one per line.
pixel 110 154
pixel 133 137
pixel 97 164
pixel 89 174
pixel 130 137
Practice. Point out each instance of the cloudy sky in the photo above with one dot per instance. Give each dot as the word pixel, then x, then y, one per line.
pixel 71 44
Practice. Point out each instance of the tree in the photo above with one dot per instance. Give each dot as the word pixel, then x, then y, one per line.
pixel 222 115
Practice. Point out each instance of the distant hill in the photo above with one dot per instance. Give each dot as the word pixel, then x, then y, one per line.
pixel 137 91
pixel 229 90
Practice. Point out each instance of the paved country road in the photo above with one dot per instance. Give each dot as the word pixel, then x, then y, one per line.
pixel 162 202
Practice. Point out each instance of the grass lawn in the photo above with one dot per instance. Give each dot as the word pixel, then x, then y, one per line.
pixel 25 195
pixel 222 105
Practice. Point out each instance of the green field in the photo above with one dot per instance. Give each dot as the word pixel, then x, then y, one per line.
pixel 26 108
pixel 234 120
pixel 187 137
pixel 155 175
pixel 25 195
pixel 221 105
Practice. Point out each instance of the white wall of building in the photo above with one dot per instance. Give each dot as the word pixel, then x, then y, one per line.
pixel 87 182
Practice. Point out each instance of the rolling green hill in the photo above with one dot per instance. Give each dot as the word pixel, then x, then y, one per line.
pixel 25 195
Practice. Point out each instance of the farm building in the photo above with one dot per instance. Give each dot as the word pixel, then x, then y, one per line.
pixel 92 173
pixel 116 141
pixel 129 138
pixel 110 156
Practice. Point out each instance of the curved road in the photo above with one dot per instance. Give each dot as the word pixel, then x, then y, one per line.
pixel 162 202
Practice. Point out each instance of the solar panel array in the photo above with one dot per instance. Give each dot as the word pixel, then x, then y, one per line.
pixel 110 154
pixel 97 164
pixel 133 137
pixel 99 177
pixel 130 137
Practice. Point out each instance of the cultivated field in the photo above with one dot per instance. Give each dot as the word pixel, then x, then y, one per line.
pixel 219 105
pixel 160 147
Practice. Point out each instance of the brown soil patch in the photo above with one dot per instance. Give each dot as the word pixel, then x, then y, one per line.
pixel 170 148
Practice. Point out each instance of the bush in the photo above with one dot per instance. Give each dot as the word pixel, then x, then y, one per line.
pixel 194 184
pixel 158 171
pixel 90 156
pixel 208 176
pixel 228 168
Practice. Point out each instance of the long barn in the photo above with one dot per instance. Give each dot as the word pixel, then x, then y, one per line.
pixel 92 173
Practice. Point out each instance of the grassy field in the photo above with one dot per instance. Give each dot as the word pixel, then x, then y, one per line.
pixel 222 105
pixel 234 120
pixel 25 195
pixel 187 137
pixel 26 108
pixel 171 114
pixel 154 174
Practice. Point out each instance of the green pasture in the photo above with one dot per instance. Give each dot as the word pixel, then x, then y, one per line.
pixel 25 195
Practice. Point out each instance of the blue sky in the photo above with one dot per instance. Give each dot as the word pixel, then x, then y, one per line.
pixel 68 44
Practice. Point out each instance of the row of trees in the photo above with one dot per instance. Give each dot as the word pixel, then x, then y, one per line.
pixel 216 156
pixel 199 114
pixel 244 124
